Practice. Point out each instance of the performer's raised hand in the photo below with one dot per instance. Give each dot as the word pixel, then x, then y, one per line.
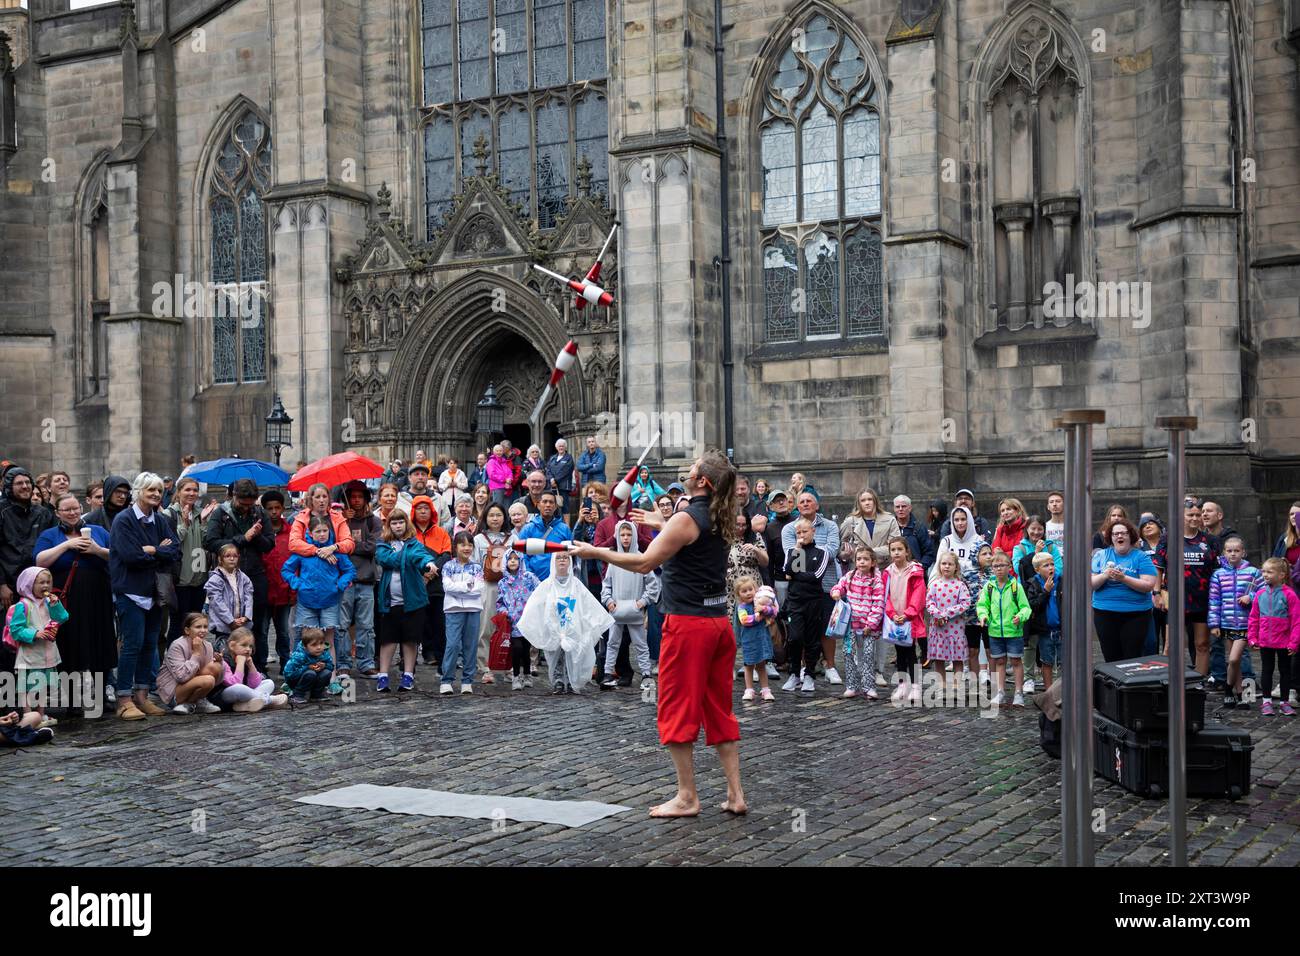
pixel 651 518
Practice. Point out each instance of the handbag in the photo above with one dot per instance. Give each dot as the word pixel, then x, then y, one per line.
pixel 165 590
pixel 899 634
pixel 838 625
pixel 492 565
pixel 778 643
pixel 499 657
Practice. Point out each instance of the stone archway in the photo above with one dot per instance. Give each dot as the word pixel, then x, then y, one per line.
pixel 462 340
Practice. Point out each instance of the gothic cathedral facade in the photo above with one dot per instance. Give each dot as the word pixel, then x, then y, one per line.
pixel 878 241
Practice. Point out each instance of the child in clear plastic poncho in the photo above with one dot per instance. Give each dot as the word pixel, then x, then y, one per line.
pixel 565 621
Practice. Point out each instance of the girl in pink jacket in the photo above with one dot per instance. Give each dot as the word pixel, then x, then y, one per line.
pixel 865 591
pixel 1274 627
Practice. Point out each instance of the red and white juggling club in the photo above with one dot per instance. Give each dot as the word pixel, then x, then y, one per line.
pixel 593 274
pixel 588 290
pixel 563 362
pixel 623 490
pixel 536 546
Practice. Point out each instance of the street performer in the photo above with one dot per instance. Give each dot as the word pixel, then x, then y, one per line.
pixel 698 650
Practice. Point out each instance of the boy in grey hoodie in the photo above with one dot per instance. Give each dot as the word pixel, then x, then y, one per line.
pixel 626 595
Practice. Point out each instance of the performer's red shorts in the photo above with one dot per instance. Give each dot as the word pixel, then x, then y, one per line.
pixel 697 660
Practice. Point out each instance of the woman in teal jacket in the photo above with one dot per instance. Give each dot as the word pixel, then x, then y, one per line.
pixel 403 600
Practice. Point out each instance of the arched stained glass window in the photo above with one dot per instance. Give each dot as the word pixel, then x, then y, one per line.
pixel 819 145
pixel 237 218
pixel 530 76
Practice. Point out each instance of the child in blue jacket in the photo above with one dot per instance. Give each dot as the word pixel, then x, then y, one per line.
pixel 320 585
pixel 310 666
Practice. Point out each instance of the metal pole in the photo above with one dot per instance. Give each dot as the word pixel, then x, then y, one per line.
pixel 1076 698
pixel 1176 651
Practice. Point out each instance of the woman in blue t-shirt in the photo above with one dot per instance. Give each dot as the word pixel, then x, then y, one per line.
pixel 1123 577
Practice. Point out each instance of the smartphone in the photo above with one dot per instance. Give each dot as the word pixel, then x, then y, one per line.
pixel 586 502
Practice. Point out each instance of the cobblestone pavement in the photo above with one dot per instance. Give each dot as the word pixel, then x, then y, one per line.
pixel 829 781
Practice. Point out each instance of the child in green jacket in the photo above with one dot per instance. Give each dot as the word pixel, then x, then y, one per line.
pixel 1002 608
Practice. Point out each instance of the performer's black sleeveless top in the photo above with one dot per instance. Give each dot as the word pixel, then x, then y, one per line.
pixel 695 578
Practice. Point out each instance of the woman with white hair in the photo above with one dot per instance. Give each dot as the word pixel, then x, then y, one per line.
pixel 142 546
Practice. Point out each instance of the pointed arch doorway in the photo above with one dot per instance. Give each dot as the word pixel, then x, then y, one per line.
pixel 458 344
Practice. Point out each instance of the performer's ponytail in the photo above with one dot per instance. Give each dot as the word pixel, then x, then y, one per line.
pixel 720 477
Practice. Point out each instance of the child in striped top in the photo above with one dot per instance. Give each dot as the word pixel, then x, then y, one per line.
pixel 865 591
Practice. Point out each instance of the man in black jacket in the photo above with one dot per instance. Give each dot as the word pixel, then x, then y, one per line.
pixel 21 522
pixel 245 524
pixel 117 498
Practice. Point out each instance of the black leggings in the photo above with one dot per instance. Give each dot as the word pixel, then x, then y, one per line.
pixel 1121 633
pixel 1269 656
pixel 905 659
pixel 806 627
pixel 519 648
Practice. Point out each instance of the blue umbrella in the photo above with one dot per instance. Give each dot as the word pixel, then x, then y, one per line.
pixel 225 471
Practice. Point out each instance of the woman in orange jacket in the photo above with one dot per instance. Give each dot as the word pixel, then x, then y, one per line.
pixel 318 503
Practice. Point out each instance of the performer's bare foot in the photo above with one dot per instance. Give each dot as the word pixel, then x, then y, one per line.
pixel 732 805
pixel 677 807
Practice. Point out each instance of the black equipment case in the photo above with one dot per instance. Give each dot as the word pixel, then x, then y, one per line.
pixel 1218 759
pixel 1135 693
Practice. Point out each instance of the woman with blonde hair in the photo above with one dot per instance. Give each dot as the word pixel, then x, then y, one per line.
pixel 867 527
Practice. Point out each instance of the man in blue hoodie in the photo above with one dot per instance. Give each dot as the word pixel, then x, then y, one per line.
pixel 548 526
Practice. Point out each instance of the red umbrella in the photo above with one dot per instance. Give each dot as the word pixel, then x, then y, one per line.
pixel 335 470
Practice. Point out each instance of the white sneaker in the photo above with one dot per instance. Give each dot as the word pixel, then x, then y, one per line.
pixel 871 694
pixel 647 683
pixel 1276 693
pixel 748 694
pixel 206 706
pixel 772 671
pixel 1292 698
pixel 998 700
pixel 808 685
pixel 110 695
pixel 183 709
pixel 899 693
pixel 880 680
pixel 985 678
pixel 791 684
pixel 1029 686
pixel 444 689
pixel 1018 700
pixel 467 688
pixel 528 681
pixel 849 693
pixel 516 683
pixel 833 676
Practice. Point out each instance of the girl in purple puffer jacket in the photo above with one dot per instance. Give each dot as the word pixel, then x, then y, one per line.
pixel 1274 627
pixel 1232 590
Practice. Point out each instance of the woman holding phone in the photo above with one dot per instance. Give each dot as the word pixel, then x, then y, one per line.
pixel 77 555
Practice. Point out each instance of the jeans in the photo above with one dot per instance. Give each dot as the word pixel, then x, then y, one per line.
pixel 462 642
pixel 311 683
pixel 357 608
pixel 137 629
pixel 326 618
pixel 654 628
pixel 286 636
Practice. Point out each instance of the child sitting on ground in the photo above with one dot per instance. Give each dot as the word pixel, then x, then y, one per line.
pixel 32 626
pixel 189 671
pixel 241 687
pixel 626 595
pixel 516 586
pixel 320 586
pixel 755 637
pixel 865 591
pixel 310 666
